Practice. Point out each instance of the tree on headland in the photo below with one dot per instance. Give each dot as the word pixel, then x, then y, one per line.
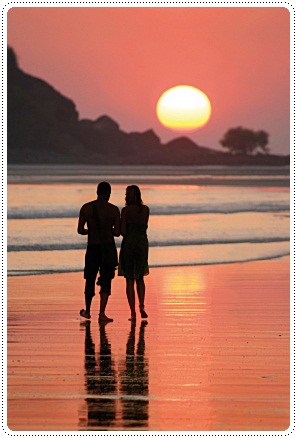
pixel 243 141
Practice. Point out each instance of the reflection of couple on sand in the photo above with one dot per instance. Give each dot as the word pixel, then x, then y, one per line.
pixel 101 382
pixel 103 221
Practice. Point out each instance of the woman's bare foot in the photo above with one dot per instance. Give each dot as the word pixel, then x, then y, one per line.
pixel 133 317
pixel 143 312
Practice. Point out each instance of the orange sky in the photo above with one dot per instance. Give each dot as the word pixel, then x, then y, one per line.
pixel 118 61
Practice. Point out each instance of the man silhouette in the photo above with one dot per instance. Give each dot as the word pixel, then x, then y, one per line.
pixel 103 223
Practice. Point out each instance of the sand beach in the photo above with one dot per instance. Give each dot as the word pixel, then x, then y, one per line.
pixel 213 356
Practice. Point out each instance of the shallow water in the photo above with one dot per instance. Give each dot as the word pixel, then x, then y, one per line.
pixel 198 215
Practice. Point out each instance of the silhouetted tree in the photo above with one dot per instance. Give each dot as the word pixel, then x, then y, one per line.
pixel 244 141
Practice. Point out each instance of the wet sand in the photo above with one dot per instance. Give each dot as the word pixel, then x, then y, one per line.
pixel 214 355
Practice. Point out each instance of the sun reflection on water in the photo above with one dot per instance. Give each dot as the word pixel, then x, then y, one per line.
pixel 184 294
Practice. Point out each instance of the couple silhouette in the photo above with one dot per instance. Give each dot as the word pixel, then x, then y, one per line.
pixel 102 221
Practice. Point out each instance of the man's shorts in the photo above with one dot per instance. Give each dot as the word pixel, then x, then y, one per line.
pixel 93 264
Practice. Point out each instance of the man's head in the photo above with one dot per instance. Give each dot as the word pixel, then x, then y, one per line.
pixel 104 190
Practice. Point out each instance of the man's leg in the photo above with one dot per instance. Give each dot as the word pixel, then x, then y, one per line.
pixel 103 303
pixel 90 274
pixel 106 275
pixel 89 292
pixel 88 301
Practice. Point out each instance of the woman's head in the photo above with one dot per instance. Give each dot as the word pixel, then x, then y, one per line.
pixel 133 195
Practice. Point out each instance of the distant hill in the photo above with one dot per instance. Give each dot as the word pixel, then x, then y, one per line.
pixel 43 126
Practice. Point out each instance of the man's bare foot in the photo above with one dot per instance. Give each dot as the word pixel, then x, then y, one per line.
pixel 104 318
pixel 85 314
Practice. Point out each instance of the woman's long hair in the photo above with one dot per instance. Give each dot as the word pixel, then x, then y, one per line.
pixel 133 195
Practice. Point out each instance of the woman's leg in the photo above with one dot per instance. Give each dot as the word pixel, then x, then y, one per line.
pixel 140 286
pixel 131 296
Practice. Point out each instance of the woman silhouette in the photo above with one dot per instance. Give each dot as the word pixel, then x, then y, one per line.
pixel 133 263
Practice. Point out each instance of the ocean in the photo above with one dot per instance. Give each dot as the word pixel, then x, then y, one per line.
pixel 198 215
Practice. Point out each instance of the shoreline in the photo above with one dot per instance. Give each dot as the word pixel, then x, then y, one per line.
pixel 140 167
pixel 56 272
pixel 215 354
pixel 253 176
pixel 229 181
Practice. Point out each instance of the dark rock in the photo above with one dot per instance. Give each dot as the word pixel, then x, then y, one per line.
pixel 43 126
pixel 105 123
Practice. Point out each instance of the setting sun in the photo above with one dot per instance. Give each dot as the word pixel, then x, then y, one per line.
pixel 183 108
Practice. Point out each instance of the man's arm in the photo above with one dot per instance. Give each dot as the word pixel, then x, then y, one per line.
pixel 117 224
pixel 147 213
pixel 123 222
pixel 81 225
